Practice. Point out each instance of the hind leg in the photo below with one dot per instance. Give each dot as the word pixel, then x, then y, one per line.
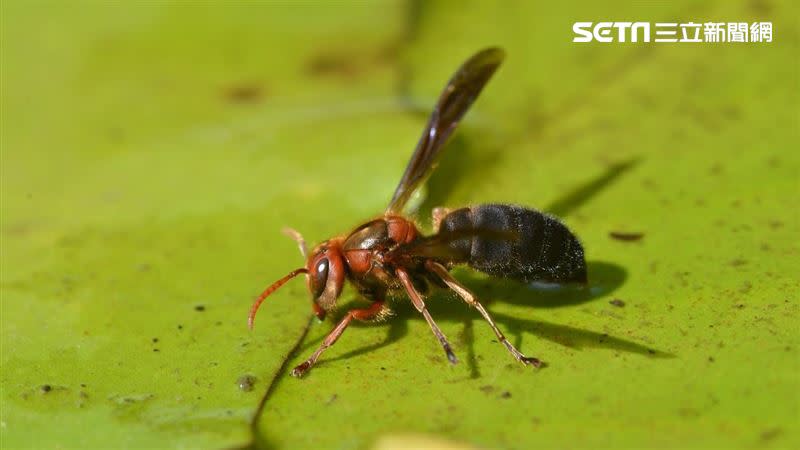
pixel 470 298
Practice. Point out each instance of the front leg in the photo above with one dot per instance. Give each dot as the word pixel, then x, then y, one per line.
pixel 362 314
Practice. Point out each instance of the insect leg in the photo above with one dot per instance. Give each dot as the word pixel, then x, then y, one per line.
pixel 470 298
pixel 416 299
pixel 358 314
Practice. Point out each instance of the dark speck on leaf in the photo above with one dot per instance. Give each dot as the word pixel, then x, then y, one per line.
pixel 505 394
pixel 200 308
pixel 761 7
pixel 487 388
pixel 328 64
pixel 156 350
pixel 180 327
pixel 710 359
pixel 617 302
pixel 243 94
pixel 625 236
pixel 768 435
pixel 738 262
pixel 651 351
pixel 155 340
pixel 246 382
pixel 45 388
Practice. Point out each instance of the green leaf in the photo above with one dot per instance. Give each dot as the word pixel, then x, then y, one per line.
pixel 152 152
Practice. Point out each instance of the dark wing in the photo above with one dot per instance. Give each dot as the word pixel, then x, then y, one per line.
pixel 454 101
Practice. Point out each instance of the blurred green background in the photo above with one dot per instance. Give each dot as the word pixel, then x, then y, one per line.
pixel 152 151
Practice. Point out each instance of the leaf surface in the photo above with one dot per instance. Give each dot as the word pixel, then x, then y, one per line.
pixel 151 154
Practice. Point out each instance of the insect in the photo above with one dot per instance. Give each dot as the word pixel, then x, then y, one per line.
pixel 389 255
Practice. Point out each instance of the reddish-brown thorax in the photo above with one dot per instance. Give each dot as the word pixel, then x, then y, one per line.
pixel 361 258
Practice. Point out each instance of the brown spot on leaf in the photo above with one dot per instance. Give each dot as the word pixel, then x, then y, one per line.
pixel 625 236
pixel 731 112
pixel 246 382
pixel 745 287
pixel 349 65
pixel 244 94
pixel 760 7
pixel 617 302
pixel 772 433
pixel 688 412
pixel 333 65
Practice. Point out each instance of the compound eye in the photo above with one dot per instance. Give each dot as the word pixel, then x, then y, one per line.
pixel 320 277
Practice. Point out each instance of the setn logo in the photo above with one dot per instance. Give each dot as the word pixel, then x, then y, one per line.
pixel 602 31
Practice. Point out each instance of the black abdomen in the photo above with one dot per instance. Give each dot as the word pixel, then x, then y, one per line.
pixel 527 245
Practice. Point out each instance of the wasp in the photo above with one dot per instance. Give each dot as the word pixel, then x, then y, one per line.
pixel 388 256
